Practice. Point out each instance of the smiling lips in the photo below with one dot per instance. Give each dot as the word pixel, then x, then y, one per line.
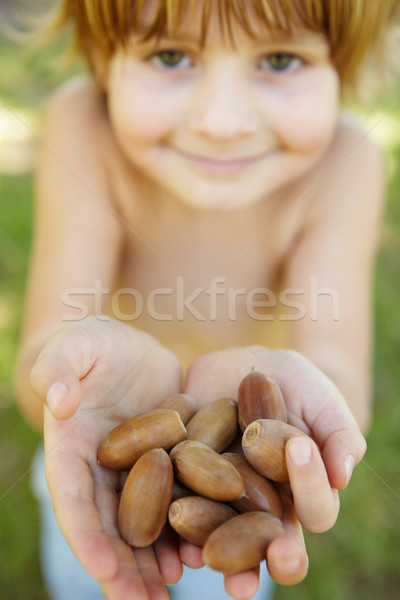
pixel 221 167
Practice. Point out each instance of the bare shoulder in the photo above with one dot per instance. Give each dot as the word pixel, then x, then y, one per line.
pixel 77 141
pixel 353 144
pixel 73 156
pixel 351 177
pixel 75 116
pixel 77 98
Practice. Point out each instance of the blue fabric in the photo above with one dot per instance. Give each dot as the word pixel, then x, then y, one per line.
pixel 65 578
pixel 206 584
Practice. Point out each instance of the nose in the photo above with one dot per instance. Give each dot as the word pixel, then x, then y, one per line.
pixel 223 106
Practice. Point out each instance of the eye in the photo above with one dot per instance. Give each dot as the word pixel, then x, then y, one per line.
pixel 171 60
pixel 280 62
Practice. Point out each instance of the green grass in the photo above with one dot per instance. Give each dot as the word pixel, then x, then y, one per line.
pixel 359 558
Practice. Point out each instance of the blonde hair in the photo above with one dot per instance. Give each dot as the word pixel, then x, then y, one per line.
pixel 355 29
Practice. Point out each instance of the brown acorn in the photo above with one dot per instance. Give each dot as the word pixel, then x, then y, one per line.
pixel 206 472
pixel 259 397
pixel 214 425
pixel 241 542
pixel 261 494
pixel 157 428
pixel 195 517
pixel 184 404
pixel 264 444
pixel 145 498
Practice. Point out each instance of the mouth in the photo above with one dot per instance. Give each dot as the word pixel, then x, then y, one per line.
pixel 221 166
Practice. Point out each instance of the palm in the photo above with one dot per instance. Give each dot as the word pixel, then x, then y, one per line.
pixel 113 372
pixel 115 380
pixel 316 406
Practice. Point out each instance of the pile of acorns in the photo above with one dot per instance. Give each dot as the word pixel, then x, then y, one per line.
pixel 223 501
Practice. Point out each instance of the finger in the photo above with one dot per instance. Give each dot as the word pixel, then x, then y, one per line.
pixel 63 397
pixel 138 575
pixel 190 555
pixel 342 451
pixel 333 427
pixel 56 374
pixel 127 583
pixel 287 558
pixel 166 549
pixel 242 586
pixel 71 486
pixel 315 502
pixel 150 573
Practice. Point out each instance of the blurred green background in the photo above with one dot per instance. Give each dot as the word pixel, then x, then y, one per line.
pixel 359 559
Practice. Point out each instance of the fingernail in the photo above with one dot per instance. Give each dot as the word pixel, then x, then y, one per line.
pixel 300 451
pixel 349 466
pixel 56 395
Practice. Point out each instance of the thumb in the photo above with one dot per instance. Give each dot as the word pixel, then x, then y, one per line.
pixel 56 374
pixel 342 451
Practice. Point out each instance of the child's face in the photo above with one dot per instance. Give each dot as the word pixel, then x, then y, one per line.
pixel 223 127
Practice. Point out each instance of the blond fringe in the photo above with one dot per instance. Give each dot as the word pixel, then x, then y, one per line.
pixel 357 30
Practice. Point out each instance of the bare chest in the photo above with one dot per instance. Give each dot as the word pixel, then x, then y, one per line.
pixel 201 282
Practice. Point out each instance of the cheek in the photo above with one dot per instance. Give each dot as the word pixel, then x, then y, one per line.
pixel 309 117
pixel 138 112
pixel 137 116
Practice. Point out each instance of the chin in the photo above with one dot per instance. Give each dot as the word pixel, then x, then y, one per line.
pixel 219 204
pixel 222 201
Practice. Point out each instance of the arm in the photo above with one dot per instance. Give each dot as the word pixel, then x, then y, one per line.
pixel 108 369
pixel 77 236
pixel 333 261
pixel 326 379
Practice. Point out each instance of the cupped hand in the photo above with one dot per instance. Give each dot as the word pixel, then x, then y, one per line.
pixel 317 466
pixel 92 376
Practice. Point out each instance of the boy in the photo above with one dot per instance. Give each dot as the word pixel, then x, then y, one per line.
pixel 203 207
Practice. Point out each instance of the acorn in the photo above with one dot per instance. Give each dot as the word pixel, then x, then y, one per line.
pixel 215 425
pixel 145 499
pixel 123 445
pixel 260 493
pixel 241 543
pixel 195 517
pixel 184 404
pixel 264 444
pixel 259 397
pixel 206 472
